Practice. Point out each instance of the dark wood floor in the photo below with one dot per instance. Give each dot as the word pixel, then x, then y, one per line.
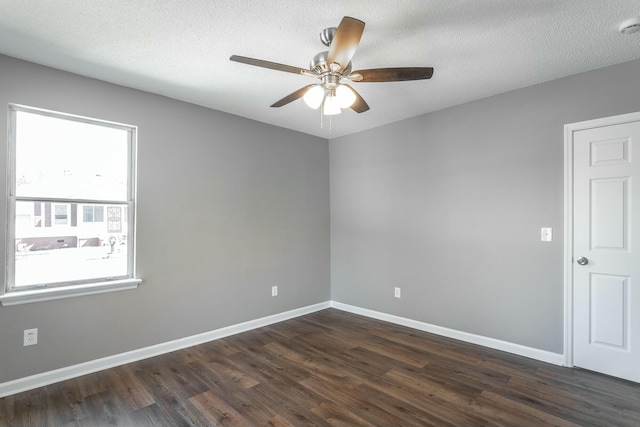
pixel 331 368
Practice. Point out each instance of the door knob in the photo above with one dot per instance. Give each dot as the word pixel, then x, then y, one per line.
pixel 582 261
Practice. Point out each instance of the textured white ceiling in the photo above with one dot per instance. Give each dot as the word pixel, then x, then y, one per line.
pixel 181 48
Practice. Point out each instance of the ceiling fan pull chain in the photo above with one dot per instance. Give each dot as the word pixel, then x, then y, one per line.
pixel 330 125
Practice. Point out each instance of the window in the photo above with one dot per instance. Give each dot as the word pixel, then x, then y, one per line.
pixel 62 166
pixel 93 214
pixel 61 214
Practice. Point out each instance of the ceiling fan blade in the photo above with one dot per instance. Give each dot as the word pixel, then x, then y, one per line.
pixel 293 96
pixel 359 105
pixel 345 42
pixel 267 64
pixel 393 74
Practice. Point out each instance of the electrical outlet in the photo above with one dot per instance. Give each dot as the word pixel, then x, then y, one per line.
pixel 274 291
pixel 396 292
pixel 30 337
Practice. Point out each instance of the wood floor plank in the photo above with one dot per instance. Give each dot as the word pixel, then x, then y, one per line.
pixel 151 415
pixel 566 402
pixel 409 414
pixel 318 365
pixel 172 402
pixel 336 415
pixel 442 402
pixel 130 390
pixel 511 412
pixel 331 368
pixel 584 382
pixel 67 396
pixel 355 404
pixel 218 411
pixel 287 403
pixel 394 350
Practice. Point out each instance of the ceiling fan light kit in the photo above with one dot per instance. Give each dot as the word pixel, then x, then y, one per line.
pixel 331 106
pixel 314 96
pixel 345 96
pixel 333 69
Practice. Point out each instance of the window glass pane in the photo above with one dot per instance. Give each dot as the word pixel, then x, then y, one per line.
pixel 69 159
pixel 61 214
pixel 98 214
pixel 60 253
pixel 87 214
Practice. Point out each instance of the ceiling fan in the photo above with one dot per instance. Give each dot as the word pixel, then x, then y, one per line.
pixel 333 69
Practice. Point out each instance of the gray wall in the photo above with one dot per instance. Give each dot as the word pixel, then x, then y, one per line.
pixel 227 207
pixel 448 206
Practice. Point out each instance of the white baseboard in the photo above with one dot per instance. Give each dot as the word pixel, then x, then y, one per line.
pixel 57 375
pixel 521 350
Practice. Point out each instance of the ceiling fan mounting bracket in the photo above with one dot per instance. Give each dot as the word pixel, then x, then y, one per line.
pixel 327 35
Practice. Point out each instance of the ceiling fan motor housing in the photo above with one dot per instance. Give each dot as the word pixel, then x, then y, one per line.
pixel 319 64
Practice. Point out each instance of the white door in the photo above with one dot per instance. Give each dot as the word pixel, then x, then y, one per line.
pixel 606 248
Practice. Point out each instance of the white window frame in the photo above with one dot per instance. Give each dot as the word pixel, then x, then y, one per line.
pixel 12 295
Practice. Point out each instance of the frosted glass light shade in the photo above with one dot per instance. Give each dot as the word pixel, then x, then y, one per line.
pixel 331 106
pixel 345 96
pixel 313 97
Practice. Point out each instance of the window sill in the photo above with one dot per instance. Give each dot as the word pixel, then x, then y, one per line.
pixel 38 295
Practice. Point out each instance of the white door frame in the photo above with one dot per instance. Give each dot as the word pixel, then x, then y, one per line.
pixel 569 130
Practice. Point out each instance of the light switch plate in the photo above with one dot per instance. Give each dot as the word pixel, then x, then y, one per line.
pixel 546 234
